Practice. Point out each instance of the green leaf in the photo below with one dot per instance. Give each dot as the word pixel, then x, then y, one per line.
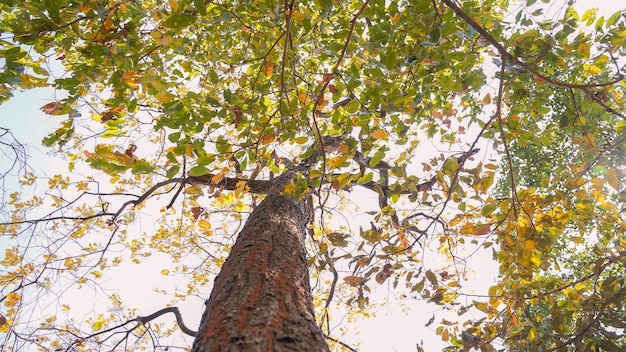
pixel 488 209
pixel 450 166
pixel 172 171
pixel 325 4
pixel 614 18
pixel 367 177
pixel 61 135
pixel 377 158
pixel 199 171
pixel 179 21
pixel 142 167
pixel 200 5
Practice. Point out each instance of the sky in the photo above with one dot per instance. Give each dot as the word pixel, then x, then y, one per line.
pixel 389 330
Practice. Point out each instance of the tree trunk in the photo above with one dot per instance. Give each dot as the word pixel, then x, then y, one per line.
pixel 261 300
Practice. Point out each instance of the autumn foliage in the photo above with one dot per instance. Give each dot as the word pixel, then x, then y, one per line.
pixel 436 139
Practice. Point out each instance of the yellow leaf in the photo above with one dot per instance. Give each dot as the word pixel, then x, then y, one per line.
pixel 593 69
pixel 336 161
pixel 268 69
pixel 217 178
pixel 380 134
pixel 289 189
pixel 583 49
pixel 529 244
pixel 204 224
pixel 173 5
pixel 241 188
pixel 10 257
pixel 301 139
pixel 99 323
pixel 189 151
pixel 601 60
pixel 487 99
pixel 12 299
pixel 303 98
pixel 165 97
pixel 297 15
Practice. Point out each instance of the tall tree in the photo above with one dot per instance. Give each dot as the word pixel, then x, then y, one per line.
pixel 200 112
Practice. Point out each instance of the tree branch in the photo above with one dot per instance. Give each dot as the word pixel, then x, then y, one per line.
pixel 510 57
pixel 179 319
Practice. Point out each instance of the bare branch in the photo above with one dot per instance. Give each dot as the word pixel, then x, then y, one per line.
pixel 179 319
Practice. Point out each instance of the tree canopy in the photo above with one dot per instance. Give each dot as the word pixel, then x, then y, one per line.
pixel 450 129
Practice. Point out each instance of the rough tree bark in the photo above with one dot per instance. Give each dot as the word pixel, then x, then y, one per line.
pixel 261 300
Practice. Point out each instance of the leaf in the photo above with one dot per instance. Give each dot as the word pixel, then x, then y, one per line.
pixel 338 239
pixel 354 280
pixel 451 166
pixel 475 230
pixel 303 98
pixel 611 176
pixel 200 5
pixel 488 209
pixel 12 299
pixel 297 15
pixel 198 171
pixel 268 68
pixel 584 51
pixel 592 69
pixel 380 134
pixel 614 18
pixel 267 138
pixel 54 108
pixel 172 171
pixel 98 324
pixel 241 188
pixel 61 136
pixel 367 177
pixel 217 178
pixel 204 225
pixel 179 21
pixel 432 278
pixel 336 161
pixel 377 158
pixel 173 5
pixel 142 167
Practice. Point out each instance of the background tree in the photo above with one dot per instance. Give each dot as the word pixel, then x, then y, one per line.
pixel 191 109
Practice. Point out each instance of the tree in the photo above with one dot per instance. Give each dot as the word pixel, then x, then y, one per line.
pixel 196 110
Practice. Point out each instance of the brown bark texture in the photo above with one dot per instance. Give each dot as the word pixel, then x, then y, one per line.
pixel 261 300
